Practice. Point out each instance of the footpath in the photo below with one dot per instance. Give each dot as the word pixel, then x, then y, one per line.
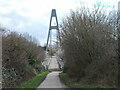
pixel 52 80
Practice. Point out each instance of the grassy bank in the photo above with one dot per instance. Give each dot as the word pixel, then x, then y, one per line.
pixel 69 82
pixel 34 82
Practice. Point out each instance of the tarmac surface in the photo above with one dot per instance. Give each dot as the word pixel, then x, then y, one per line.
pixel 53 64
pixel 52 80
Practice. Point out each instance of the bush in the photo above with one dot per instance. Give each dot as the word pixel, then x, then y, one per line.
pixel 20 56
pixel 89 41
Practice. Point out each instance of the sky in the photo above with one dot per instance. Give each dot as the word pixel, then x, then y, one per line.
pixel 33 16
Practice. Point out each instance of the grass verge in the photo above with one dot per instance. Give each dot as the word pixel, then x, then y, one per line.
pixel 34 82
pixel 68 82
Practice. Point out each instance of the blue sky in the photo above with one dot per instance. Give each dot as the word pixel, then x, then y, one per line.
pixel 33 16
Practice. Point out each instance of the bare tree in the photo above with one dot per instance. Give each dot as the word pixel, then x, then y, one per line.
pixel 89 41
pixel 22 58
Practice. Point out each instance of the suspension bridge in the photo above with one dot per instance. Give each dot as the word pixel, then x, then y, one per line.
pixel 53 62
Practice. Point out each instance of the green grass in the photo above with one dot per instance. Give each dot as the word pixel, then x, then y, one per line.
pixel 68 82
pixel 34 82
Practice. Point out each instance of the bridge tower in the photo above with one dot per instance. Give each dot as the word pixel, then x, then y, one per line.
pixel 50 33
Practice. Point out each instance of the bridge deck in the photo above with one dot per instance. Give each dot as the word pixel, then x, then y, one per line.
pixel 53 64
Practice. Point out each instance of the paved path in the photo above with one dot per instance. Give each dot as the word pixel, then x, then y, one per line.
pixel 52 80
pixel 53 64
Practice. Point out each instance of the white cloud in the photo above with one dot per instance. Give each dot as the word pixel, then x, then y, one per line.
pixel 36 8
pixel 21 25
pixel 33 16
pixel 5 21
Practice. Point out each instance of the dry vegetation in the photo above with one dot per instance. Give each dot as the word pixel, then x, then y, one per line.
pixel 22 58
pixel 89 41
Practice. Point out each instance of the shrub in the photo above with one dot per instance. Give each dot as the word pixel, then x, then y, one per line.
pixel 89 41
pixel 20 56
